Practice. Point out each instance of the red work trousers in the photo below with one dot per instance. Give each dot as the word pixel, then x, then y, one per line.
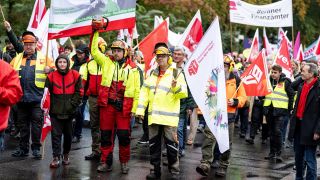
pixel 113 121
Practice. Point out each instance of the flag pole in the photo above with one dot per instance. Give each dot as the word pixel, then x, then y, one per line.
pixel 47 50
pixel 230 37
pixel 137 41
pixel 43 147
pixel 237 89
pixel 292 38
pixel 4 19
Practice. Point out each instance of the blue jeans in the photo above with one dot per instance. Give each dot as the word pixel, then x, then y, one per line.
pixel 305 155
pixel 1 140
pixel 181 133
pixel 132 122
pixel 284 128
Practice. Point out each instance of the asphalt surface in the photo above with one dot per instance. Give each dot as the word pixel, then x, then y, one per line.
pixel 247 162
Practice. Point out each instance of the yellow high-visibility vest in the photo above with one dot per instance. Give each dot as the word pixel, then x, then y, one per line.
pixel 91 68
pixel 278 97
pixel 40 76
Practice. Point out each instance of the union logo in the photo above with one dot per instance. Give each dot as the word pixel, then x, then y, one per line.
pixel 193 68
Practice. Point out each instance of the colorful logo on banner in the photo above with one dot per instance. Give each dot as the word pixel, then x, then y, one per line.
pixel 212 100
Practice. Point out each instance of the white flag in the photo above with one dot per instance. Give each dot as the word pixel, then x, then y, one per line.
pixel 38 12
pixel 42 33
pixel 206 80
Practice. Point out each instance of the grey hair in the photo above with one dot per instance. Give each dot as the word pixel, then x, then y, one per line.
pixel 313 69
pixel 180 48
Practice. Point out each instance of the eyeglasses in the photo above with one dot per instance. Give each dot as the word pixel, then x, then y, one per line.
pixel 161 56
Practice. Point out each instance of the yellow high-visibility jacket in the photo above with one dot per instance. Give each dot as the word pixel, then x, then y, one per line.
pixel 163 100
pixel 128 73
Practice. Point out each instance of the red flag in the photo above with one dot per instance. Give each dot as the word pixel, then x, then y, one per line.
pixel 283 58
pixel 299 56
pixel 192 35
pixel 45 106
pixel 160 34
pixel 254 79
pixel 39 10
pixel 254 50
pixel 270 48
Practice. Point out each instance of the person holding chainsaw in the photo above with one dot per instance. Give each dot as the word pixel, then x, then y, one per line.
pixel 118 97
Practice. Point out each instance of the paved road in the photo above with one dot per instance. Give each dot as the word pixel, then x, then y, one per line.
pixel 247 162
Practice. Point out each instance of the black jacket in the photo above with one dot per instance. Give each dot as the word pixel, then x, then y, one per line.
pixel 310 122
pixel 290 93
pixel 77 63
pixel 18 46
pixel 186 103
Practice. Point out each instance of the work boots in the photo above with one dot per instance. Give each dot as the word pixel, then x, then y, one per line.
pixel 55 162
pixel 124 168
pixel 154 173
pixel 66 160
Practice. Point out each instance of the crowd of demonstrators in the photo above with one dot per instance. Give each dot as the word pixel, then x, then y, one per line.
pixel 114 84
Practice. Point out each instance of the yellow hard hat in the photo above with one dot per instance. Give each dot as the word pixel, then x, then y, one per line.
pixel 227 59
pixel 162 50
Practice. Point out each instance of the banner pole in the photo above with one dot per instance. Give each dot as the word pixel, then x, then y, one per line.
pixel 137 41
pixel 292 38
pixel 47 50
pixel 4 19
pixel 43 147
pixel 237 89
pixel 230 37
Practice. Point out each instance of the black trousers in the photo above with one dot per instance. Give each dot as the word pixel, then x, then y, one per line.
pixel 243 115
pixel 30 118
pixel 145 126
pixel 157 132
pixel 13 120
pixel 257 120
pixel 80 118
pixel 61 127
pixel 275 125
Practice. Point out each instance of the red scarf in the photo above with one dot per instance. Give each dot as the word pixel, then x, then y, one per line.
pixel 303 97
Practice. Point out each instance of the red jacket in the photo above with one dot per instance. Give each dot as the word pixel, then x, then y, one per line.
pixel 10 92
pixel 65 93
